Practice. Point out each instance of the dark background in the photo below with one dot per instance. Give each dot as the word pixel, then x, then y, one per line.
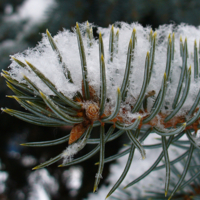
pixel 13 39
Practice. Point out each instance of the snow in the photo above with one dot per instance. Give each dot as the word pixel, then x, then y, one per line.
pixel 41 185
pixel 3 179
pixel 73 179
pixel 73 149
pixel 45 59
pixel 33 10
pixel 28 160
pixel 137 168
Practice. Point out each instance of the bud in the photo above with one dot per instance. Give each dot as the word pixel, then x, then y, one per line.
pixel 76 132
pixel 92 111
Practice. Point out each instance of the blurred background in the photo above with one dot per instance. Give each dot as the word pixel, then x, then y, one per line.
pixel 22 23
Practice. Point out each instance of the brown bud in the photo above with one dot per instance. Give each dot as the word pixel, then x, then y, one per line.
pixel 76 132
pixel 92 111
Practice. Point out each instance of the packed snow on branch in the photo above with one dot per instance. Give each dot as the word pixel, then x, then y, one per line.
pixel 45 59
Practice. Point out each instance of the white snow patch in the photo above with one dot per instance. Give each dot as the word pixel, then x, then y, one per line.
pixel 34 10
pixel 3 178
pixel 45 59
pixel 41 185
